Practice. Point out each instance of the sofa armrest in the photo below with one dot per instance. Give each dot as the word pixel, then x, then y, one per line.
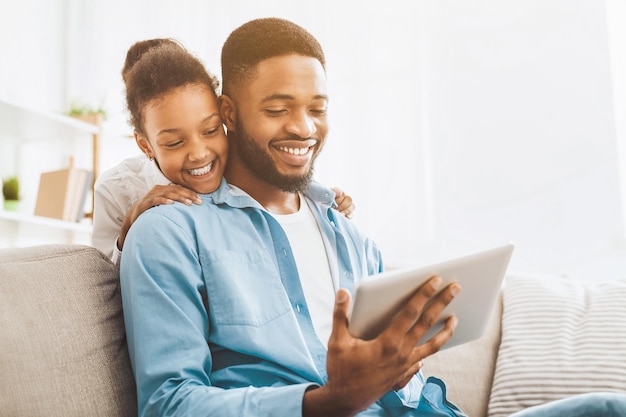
pixel 62 341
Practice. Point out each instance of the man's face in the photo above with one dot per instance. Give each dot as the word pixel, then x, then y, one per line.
pixel 281 121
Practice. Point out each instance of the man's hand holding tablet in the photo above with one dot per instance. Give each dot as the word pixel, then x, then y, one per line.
pixel 393 356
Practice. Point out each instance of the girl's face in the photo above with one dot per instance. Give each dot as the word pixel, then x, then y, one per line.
pixel 186 137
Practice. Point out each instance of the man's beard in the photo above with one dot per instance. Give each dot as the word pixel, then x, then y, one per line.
pixel 261 164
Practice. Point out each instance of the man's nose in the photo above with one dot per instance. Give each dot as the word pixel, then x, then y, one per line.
pixel 302 124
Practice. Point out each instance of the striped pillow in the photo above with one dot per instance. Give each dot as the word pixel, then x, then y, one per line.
pixel 559 337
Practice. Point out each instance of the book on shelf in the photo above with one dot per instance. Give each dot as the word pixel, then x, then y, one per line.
pixel 62 194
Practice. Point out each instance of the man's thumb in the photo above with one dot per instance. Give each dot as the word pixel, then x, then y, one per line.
pixel 340 314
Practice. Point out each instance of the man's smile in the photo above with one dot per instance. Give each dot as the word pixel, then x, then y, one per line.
pixel 296 152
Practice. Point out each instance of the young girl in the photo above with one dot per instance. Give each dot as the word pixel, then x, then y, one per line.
pixel 172 101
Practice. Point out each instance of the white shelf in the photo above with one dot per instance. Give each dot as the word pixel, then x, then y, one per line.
pixel 17 216
pixel 26 123
pixel 32 141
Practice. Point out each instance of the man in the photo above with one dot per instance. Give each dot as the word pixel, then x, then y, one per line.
pixel 229 305
pixel 274 104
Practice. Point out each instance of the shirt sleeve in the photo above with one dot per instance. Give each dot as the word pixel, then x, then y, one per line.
pixel 167 328
pixel 117 253
pixel 108 215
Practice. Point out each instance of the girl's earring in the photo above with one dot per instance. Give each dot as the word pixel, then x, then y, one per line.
pixel 150 157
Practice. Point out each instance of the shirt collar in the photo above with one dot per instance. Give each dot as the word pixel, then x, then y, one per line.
pixel 238 198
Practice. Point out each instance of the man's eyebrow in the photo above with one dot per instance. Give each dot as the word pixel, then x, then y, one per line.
pixel 175 129
pixel 290 97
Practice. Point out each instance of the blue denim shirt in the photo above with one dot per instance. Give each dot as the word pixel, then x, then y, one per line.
pixel 216 319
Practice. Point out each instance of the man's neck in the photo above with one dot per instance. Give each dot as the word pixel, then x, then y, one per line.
pixel 270 197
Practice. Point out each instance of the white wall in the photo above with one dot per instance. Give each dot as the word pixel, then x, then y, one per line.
pixel 616 16
pixel 455 124
pixel 32 53
pixel 523 132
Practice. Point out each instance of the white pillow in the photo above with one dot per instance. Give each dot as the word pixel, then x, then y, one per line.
pixel 559 337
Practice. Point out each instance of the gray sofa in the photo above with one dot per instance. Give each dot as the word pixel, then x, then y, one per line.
pixel 63 350
pixel 62 343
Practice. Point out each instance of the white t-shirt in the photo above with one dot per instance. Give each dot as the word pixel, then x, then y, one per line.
pixel 311 258
pixel 116 190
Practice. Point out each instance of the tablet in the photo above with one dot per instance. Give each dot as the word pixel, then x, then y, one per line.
pixel 380 297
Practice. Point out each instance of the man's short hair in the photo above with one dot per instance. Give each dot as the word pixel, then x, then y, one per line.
pixel 261 39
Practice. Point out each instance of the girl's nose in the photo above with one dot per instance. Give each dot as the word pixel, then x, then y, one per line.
pixel 198 150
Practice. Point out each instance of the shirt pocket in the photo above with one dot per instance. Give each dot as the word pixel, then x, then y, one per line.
pixel 243 287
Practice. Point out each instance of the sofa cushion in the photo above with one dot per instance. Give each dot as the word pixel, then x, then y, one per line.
pixel 62 343
pixel 468 369
pixel 560 337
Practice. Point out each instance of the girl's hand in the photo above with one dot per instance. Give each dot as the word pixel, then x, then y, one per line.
pixel 160 194
pixel 344 203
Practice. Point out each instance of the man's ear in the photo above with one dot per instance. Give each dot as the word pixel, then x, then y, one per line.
pixel 144 145
pixel 228 111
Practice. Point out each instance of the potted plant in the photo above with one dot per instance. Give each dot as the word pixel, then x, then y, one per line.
pixel 86 113
pixel 11 193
